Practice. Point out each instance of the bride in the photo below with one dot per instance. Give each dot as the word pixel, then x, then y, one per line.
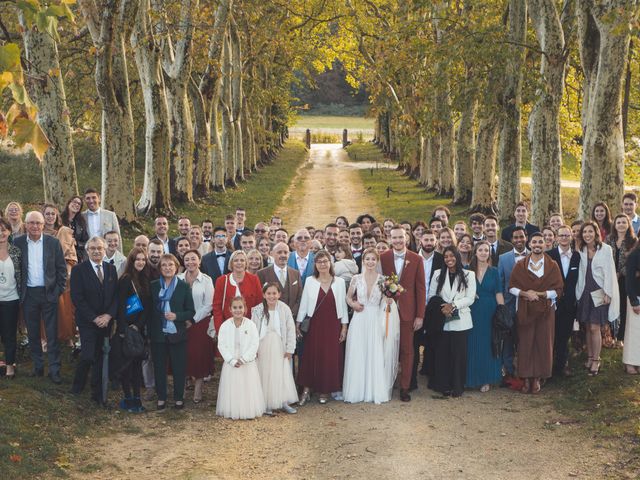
pixel 371 360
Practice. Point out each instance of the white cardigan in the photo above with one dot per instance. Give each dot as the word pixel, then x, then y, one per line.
pixel 249 341
pixel 287 325
pixel 462 299
pixel 603 269
pixel 310 296
pixel 202 292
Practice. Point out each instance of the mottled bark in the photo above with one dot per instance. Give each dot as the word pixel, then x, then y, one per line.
pixel 544 120
pixel 604 29
pixel 156 195
pixel 177 69
pixel 483 197
pixel 201 155
pixel 465 151
pixel 510 143
pixel 109 26
pixel 46 88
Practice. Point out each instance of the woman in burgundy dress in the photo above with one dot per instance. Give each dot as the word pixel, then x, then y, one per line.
pixel 324 300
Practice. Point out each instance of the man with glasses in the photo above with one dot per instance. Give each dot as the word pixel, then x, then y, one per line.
pixel 261 230
pixel 216 262
pixel 302 259
pixel 566 306
pixel 44 278
pixel 94 292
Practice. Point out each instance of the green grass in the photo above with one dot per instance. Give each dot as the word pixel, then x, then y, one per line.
pixel 332 122
pixel 607 406
pixel 365 151
pixel 38 419
pixel 260 194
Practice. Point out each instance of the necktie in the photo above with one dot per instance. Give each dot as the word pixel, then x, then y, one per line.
pixel 281 277
pixel 99 273
pixel 493 250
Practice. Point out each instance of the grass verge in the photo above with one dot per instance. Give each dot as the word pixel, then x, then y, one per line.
pixel 40 420
pixel 260 194
pixel 607 407
pixel 333 122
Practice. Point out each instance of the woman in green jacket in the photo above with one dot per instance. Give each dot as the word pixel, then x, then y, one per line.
pixel 167 330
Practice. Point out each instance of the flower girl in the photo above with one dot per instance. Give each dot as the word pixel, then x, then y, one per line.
pixel 239 393
pixel 277 333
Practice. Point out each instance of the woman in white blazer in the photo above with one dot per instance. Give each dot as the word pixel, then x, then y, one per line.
pixel 324 301
pixel 596 290
pixel 457 288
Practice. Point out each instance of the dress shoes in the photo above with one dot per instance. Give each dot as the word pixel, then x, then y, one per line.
pixel 37 372
pixel 55 378
pixel 404 395
pixel 289 409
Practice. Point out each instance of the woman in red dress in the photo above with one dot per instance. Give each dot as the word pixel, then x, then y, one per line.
pixel 324 300
pixel 237 283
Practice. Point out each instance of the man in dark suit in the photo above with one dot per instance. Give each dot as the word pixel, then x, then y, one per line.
pixel 521 215
pixel 94 288
pixel 432 262
pixel 288 278
pixel 44 278
pixel 410 271
pixel 566 307
pixel 216 262
pixel 497 245
pixel 161 227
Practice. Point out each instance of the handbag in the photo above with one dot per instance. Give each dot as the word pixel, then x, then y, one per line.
pixel 133 303
pixel 133 344
pixel 306 322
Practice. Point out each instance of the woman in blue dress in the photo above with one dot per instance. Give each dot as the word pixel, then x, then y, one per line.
pixel 483 369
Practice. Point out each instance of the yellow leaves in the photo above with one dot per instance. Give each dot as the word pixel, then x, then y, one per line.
pixel 54 72
pixel 28 131
pixel 5 79
pixel 9 57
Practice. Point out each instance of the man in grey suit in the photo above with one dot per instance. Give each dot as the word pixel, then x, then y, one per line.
pixel 505 266
pixel 43 281
pixel 99 220
pixel 287 277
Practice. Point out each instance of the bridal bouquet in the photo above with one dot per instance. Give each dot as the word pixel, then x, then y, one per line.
pixel 390 288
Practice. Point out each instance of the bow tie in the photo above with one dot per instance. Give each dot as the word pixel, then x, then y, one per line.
pixel 399 256
pixel 93 213
pixel 566 254
pixel 112 262
pixel 219 255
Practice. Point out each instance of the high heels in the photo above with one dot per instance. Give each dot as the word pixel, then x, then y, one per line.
pixel 593 372
pixel 304 398
pixel 526 386
pixel 588 363
pixel 535 386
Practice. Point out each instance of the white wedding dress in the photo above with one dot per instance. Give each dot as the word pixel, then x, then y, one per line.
pixel 371 359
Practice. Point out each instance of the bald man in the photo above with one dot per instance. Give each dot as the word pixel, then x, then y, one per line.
pixel 141 241
pixel 288 278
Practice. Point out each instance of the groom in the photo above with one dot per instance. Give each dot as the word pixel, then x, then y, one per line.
pixel 410 271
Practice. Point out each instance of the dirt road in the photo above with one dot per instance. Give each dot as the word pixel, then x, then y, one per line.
pixel 327 186
pixel 497 435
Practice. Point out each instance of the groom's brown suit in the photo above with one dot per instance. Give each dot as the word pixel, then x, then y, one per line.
pixel 411 305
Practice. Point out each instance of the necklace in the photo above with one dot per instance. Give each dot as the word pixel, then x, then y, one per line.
pixel 535 266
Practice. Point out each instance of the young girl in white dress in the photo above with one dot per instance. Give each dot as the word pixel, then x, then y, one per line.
pixel 239 393
pixel 277 332
pixel 373 343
